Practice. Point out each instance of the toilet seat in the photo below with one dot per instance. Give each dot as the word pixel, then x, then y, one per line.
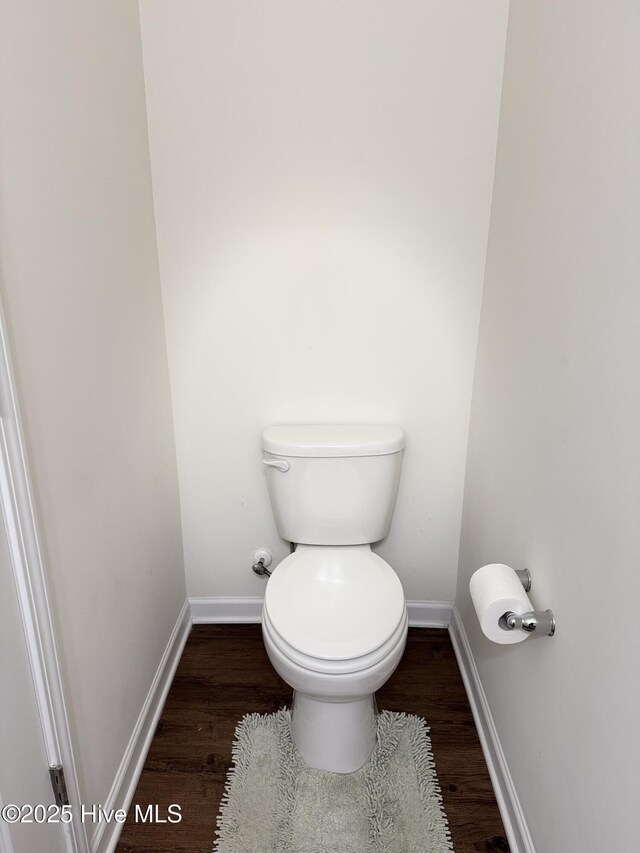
pixel 334 610
pixel 347 667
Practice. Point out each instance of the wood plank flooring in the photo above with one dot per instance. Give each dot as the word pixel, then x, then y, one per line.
pixel 225 673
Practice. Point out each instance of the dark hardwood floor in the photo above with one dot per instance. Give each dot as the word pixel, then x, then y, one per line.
pixel 224 673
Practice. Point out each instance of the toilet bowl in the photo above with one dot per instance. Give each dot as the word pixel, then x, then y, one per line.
pixel 334 624
pixel 334 620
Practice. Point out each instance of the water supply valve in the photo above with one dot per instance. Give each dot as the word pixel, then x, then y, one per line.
pixel 261 560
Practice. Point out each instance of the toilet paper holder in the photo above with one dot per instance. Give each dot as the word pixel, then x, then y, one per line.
pixel 540 622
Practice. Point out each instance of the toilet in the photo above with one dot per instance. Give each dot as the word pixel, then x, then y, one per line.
pixel 334 619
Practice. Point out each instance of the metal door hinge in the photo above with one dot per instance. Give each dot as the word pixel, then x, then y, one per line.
pixel 56 774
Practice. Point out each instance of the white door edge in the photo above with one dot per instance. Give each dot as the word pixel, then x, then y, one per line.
pixel 29 574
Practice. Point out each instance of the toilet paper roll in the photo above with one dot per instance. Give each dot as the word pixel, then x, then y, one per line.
pixel 496 589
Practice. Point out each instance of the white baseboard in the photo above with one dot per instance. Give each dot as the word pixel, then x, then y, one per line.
pixel 248 609
pixel 226 609
pixel 106 835
pixel 429 614
pixel 513 818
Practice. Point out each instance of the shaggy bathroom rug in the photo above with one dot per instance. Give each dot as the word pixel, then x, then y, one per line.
pixel 275 803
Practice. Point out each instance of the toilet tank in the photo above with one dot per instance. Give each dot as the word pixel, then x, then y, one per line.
pixel 333 484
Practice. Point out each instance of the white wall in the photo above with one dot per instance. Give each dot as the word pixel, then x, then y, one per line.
pixel 322 175
pixel 81 291
pixel 553 479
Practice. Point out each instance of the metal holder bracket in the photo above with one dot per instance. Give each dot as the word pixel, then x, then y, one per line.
pixel 524 576
pixel 540 622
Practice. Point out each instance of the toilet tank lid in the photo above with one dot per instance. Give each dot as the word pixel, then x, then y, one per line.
pixel 318 440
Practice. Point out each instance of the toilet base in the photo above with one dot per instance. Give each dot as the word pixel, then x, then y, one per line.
pixel 334 736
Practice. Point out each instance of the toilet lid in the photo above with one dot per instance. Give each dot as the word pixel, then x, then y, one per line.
pixel 334 603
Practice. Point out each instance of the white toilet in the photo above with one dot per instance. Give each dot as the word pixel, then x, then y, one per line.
pixel 334 620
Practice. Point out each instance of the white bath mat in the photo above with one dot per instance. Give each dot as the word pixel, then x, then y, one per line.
pixel 275 803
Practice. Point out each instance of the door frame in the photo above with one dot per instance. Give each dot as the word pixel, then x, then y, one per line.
pixel 29 571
